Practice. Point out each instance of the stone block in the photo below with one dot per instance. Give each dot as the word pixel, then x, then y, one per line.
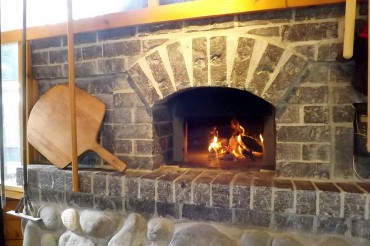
pixel 161 114
pixel 45 72
pixel 111 65
pixel 241 62
pixel 143 115
pixel 316 152
pixel 99 183
pixel 58 180
pixel 315 74
pixel 146 87
pixel 262 198
pixel 131 185
pixel 46 180
pixel 108 203
pixel 163 129
pixel 83 38
pixel 287 114
pixel 329 204
pixel 85 181
pixel 202 189
pixel 361 228
pixel 306 50
pixel 140 206
pixel 310 31
pixel 144 147
pixel 343 113
pixel 200 61
pixel 241 192
pixel 92 52
pixel 303 133
pixel 363 9
pixel 330 52
pixel 115 184
pixel 183 187
pixel 283 200
pixel 288 151
pixel 164 28
pixel 143 131
pixel 266 32
pixel 122 100
pixel 160 74
pixel 178 66
pixel 68 180
pixel 354 205
pixel 195 212
pixel 78 199
pixel 147 188
pixel 54 196
pixel 40 58
pixel 168 209
pixel 114 34
pixel 320 12
pixel 309 95
pixel 123 146
pixel 85 68
pixel 217 60
pixel 306 202
pixel 221 190
pixel 341 73
pixel 246 217
pixel 122 115
pixel 331 225
pixel 343 151
pixel 46 43
pixel 100 86
pixel 286 222
pixel 266 65
pixel 123 48
pixel 32 178
pixel 316 114
pixel 165 186
pixel 277 16
pixel 34 194
pixel 152 43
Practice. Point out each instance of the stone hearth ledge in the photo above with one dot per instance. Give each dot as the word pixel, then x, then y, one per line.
pixel 253 199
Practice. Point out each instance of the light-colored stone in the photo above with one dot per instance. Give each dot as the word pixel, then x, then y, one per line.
pixel 201 235
pixel 160 231
pixel 70 219
pixel 71 239
pixel 333 241
pixel 285 241
pixel 49 239
pixel 31 235
pixel 98 224
pixel 255 238
pixel 50 218
pixel 131 234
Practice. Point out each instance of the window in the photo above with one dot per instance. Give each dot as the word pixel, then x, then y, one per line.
pixel 11 112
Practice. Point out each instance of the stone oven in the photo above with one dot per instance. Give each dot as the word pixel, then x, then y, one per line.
pixel 169 87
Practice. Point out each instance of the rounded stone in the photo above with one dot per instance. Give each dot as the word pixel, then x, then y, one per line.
pixel 98 224
pixel 132 232
pixel 255 238
pixel 160 231
pixel 31 234
pixel 69 238
pixel 50 218
pixel 49 239
pixel 285 241
pixel 70 219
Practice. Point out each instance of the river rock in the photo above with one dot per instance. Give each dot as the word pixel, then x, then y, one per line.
pixel 256 238
pixel 70 238
pixel 160 231
pixel 285 241
pixel 50 218
pixel 201 235
pixel 70 219
pixel 31 235
pixel 98 224
pixel 49 239
pixel 333 241
pixel 132 232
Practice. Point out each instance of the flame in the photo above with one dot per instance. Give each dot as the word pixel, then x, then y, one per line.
pixel 215 145
pixel 261 138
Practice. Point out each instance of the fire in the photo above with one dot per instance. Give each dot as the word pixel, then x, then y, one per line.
pixel 239 145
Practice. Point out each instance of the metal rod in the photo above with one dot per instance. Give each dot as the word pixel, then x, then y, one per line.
pixel 71 75
pixel 2 163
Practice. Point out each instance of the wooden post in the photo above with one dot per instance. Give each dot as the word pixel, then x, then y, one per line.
pixel 349 28
pixel 71 76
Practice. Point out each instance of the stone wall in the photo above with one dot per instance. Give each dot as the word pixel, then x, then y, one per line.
pixel 290 58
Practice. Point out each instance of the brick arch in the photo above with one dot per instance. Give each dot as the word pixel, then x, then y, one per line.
pixel 247 63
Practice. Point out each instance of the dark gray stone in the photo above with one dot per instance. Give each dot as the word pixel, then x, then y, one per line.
pixel 85 68
pixel 113 34
pixel 241 192
pixel 147 188
pixel 197 25
pixel 45 72
pixel 315 73
pixel 316 152
pixel 343 113
pixel 46 43
pixel 159 72
pixel 92 52
pixel 111 65
pixel 309 95
pixel 177 63
pixel 55 196
pixel 354 205
pixel 303 133
pixel 316 114
pixel 126 100
pixel 152 43
pixel 77 199
pixel 168 209
pixel 307 51
pixel 115 184
pixel 100 86
pixel 287 114
pixel 46 180
pixel 330 52
pixel 311 31
pixel 133 131
pixel 217 60
pixel 331 225
pixel 123 146
pixel 123 48
pixel 361 228
pixel 32 178
pixel 122 115
pixel 99 183
pixel 40 58
pixel 306 202
pixel 265 68
pixel 345 94
pixel 329 204
pixel 262 198
pixel 342 73
pixel 144 147
pixel 183 187
pixel 320 12
pixel 285 222
pixel 84 38
pixel 288 151
pixel 343 151
pixel 241 63
pixel 200 61
pixel 246 217
pixel 164 28
pixel 195 212
pixel 108 203
pixel 283 200
pixel 221 190
pixel 140 206
pixel 143 115
pixel 268 31
pixel 277 16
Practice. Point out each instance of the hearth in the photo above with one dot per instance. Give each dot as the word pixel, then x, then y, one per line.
pixel 221 128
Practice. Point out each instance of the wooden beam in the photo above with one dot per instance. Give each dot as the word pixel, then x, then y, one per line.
pixel 162 13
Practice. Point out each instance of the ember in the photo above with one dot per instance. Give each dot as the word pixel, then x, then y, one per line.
pixel 241 145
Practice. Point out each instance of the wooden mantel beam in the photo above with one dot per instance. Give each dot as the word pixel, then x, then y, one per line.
pixel 155 13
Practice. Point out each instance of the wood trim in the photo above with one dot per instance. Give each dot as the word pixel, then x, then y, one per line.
pixel 164 13
pixel 13 192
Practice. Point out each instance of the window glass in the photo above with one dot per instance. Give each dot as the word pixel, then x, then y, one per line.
pixel 11 106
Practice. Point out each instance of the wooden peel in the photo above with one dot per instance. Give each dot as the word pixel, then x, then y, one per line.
pixel 49 126
pixel 349 28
